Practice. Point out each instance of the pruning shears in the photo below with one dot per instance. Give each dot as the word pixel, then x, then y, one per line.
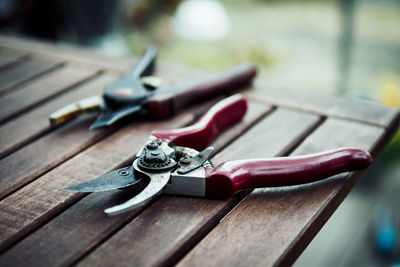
pixel 138 93
pixel 178 162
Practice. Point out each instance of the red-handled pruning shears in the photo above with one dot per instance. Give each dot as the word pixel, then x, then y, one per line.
pixel 171 161
pixel 138 94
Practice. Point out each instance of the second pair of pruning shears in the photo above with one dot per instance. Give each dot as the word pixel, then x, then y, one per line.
pixel 138 93
pixel 178 162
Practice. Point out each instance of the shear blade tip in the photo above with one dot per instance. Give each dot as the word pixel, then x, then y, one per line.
pixel 95 126
pixel 68 189
pixel 99 124
pixel 112 211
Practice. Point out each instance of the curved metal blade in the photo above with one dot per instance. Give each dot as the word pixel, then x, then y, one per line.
pixel 109 116
pixel 117 179
pixel 157 183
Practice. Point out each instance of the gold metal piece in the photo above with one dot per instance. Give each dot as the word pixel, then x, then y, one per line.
pixel 75 110
pixel 153 82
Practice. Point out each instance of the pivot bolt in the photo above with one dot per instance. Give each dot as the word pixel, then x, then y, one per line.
pixel 152 146
pixel 123 172
pixel 185 160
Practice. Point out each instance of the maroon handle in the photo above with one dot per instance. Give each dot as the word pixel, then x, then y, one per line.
pixel 217 119
pixel 172 99
pixel 231 176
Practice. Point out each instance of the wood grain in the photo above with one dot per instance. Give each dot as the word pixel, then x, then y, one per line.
pixel 77 222
pixel 22 72
pixel 280 217
pixel 9 57
pixel 42 225
pixel 326 105
pixel 27 127
pixel 54 148
pixel 65 53
pixel 171 226
pixel 40 90
pixel 286 97
pixel 40 200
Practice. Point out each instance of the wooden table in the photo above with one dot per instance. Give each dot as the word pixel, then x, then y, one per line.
pixel 40 225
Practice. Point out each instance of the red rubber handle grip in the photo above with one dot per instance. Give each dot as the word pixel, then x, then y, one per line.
pixel 231 176
pixel 170 100
pixel 217 119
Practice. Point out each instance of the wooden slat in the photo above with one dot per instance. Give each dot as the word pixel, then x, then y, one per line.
pixel 284 220
pixel 40 90
pixel 89 211
pixel 7 60
pixel 326 105
pixel 23 129
pixel 168 228
pixel 65 53
pixel 40 200
pixel 309 101
pixel 53 148
pixel 21 72
pixel 41 224
pixel 78 55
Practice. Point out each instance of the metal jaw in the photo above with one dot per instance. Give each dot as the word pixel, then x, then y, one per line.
pixel 157 184
pixel 187 179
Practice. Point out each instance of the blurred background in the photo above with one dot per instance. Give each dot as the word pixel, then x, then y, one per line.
pixel 339 47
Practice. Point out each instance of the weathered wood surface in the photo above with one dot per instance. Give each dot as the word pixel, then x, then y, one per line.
pixel 8 57
pixel 181 222
pixel 43 225
pixel 93 205
pixel 40 90
pixel 326 105
pixel 19 131
pixel 274 211
pixel 22 71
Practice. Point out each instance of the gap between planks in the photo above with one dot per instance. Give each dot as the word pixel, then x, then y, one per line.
pixel 55 147
pixel 48 200
pixel 112 158
pixel 296 248
pixel 300 226
pixel 51 85
pixel 7 61
pixel 324 105
pixel 123 139
pixel 161 244
pixel 24 71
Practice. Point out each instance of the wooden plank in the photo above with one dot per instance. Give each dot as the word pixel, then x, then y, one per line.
pixel 41 90
pixel 27 127
pixel 78 55
pixel 284 220
pixel 326 105
pixel 9 57
pixel 65 52
pixel 89 211
pixel 172 225
pixel 53 148
pixel 43 198
pixel 21 72
pixel 7 60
